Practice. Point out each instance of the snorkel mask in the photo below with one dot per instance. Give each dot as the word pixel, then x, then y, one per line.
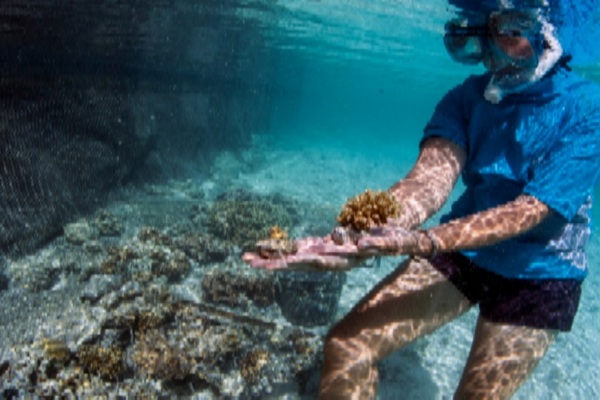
pixel 517 47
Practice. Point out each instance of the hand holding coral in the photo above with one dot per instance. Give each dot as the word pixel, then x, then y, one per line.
pixel 371 221
pixel 383 240
pixel 370 214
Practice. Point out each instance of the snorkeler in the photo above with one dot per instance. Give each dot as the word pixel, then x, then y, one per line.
pixel 525 138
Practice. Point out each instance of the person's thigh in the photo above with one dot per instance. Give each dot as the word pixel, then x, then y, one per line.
pixel 501 359
pixel 412 301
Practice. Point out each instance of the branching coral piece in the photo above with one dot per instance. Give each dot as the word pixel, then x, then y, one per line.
pixel 368 209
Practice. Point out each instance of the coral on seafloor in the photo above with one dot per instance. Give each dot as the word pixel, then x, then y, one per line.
pixel 155 254
pixel 253 363
pixel 155 357
pixel 56 350
pixel 168 312
pixel 108 224
pixel 238 289
pixel 243 218
pixel 107 362
pixel 368 209
pixel 84 231
pixel 203 248
pixel 79 232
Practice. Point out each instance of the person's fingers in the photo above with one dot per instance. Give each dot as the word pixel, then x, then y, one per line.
pixel 313 254
pixel 312 244
pixel 249 257
pixel 256 261
pixel 319 261
pixel 300 262
pixel 347 249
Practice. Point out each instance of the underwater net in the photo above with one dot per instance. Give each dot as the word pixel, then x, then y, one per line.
pixel 91 94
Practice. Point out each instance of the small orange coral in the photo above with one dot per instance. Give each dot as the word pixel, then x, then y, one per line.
pixel 368 209
pixel 277 233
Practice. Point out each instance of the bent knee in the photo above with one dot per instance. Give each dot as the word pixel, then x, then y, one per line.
pixel 340 343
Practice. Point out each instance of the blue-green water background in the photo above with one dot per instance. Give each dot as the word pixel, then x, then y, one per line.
pixel 361 73
pixel 341 91
pixel 363 77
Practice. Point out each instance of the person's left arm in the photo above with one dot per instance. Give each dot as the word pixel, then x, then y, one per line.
pixel 477 230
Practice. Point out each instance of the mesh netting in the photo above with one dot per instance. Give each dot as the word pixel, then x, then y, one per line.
pixel 62 148
pixel 91 91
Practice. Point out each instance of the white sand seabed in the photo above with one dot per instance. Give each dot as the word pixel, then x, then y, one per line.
pixel 430 368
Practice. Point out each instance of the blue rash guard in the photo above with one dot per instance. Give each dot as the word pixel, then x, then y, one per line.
pixel 545 142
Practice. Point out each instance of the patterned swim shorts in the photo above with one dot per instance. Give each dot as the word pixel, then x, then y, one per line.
pixel 539 303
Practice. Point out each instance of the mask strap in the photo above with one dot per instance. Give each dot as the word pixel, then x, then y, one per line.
pixel 564 61
pixel 552 52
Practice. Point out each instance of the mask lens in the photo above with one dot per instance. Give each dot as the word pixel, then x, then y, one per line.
pixel 512 35
pixel 463 41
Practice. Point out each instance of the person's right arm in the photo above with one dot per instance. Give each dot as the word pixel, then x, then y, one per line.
pixel 429 183
pixel 421 193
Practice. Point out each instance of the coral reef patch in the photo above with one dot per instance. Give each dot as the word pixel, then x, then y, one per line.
pixel 243 218
pixel 159 312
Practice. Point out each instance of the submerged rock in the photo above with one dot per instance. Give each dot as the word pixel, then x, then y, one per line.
pixel 80 232
pixel 108 224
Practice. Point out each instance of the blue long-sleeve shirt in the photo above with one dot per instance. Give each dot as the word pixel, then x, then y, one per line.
pixel 545 142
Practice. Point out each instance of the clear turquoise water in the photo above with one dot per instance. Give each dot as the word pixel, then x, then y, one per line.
pixel 364 72
pixel 356 81
pixel 365 76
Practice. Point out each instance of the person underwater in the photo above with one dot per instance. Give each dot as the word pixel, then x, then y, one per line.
pixel 524 136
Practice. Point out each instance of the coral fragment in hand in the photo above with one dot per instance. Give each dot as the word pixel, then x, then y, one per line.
pixel 368 209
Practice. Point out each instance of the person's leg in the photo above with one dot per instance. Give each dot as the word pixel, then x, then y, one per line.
pixel 409 303
pixel 502 358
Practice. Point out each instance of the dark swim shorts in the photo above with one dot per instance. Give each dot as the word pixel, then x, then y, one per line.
pixel 539 303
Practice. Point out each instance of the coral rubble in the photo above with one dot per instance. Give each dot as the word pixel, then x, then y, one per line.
pixel 106 362
pixel 108 224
